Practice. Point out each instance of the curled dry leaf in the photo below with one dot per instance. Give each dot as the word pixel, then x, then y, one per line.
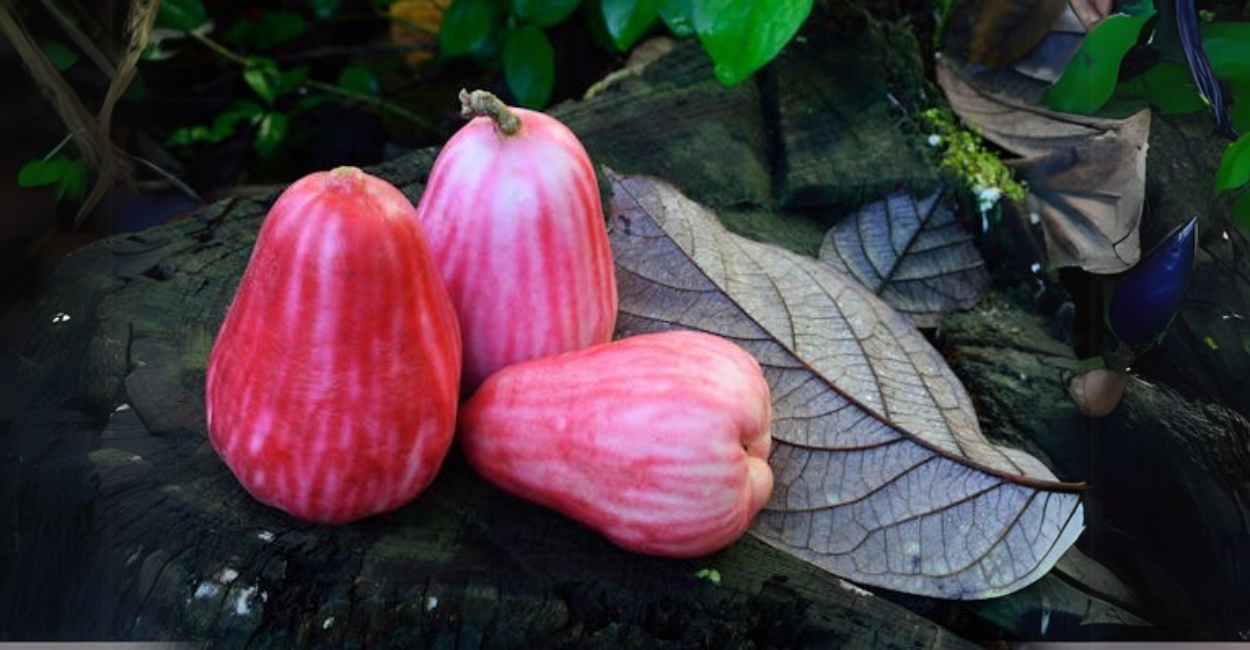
pixel 1086 175
pixel 913 254
pixel 882 473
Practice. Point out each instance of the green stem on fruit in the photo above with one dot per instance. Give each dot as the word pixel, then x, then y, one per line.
pixel 481 103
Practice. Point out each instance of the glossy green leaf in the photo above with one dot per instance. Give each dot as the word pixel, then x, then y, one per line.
pixel 261 83
pixel 678 17
pixel 59 54
pixel 223 126
pixel 1090 78
pixel 1166 86
pixel 544 13
pixel 290 81
pixel 1227 45
pixel 271 130
pixel 187 135
pixel 69 175
pixel 308 102
pixel 466 28
pixel 359 80
pixel 240 111
pixel 529 66
pixel 182 15
pixel 1234 168
pixel 1240 110
pixel 743 35
pixel 38 173
pixel 270 30
pixel 628 20
pixel 73 184
pixel 1241 210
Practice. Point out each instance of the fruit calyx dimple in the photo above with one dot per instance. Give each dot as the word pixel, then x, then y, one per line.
pixel 480 103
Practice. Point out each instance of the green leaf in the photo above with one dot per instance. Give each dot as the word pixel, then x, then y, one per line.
pixel 1167 86
pixel 225 124
pixel 324 9
pixel 73 183
pixel 261 83
pixel 545 13
pixel 182 15
pixel 529 66
pixel 465 28
pixel 68 174
pixel 269 30
pixel 1090 78
pixel 290 81
pixel 308 102
pixel 1234 171
pixel 59 54
pixel 743 35
pixel 628 20
pixel 1227 45
pixel 678 17
pixel 186 135
pixel 271 130
pixel 38 173
pixel 1240 109
pixel 1241 210
pixel 356 79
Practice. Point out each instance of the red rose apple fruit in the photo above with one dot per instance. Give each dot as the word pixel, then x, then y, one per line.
pixel 512 210
pixel 333 384
pixel 658 441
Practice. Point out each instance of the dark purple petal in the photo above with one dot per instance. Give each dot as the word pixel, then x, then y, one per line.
pixel 1146 299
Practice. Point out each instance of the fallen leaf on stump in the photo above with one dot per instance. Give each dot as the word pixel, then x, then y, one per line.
pixel 882 473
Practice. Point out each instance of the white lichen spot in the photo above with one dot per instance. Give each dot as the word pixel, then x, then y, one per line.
pixel 431 603
pixel 854 588
pixel 227 576
pixel 328 623
pixel 207 589
pixel 987 197
pixel 243 601
pixel 265 536
pixel 122 407
pixel 60 317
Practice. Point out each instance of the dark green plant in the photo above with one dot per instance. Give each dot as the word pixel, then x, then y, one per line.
pixel 1094 78
pixel 279 95
pixel 68 172
pixel 740 36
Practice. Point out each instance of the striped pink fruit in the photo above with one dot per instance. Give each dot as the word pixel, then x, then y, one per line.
pixel 333 383
pixel 658 441
pixel 512 210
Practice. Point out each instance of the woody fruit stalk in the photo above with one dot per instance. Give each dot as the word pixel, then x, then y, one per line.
pixel 513 212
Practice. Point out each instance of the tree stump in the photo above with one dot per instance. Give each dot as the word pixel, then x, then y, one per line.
pixel 123 524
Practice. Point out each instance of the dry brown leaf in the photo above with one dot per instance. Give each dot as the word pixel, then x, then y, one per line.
pixel 1086 175
pixel 913 254
pixel 882 473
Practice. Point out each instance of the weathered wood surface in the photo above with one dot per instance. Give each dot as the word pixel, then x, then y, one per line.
pixel 123 524
pixel 126 525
